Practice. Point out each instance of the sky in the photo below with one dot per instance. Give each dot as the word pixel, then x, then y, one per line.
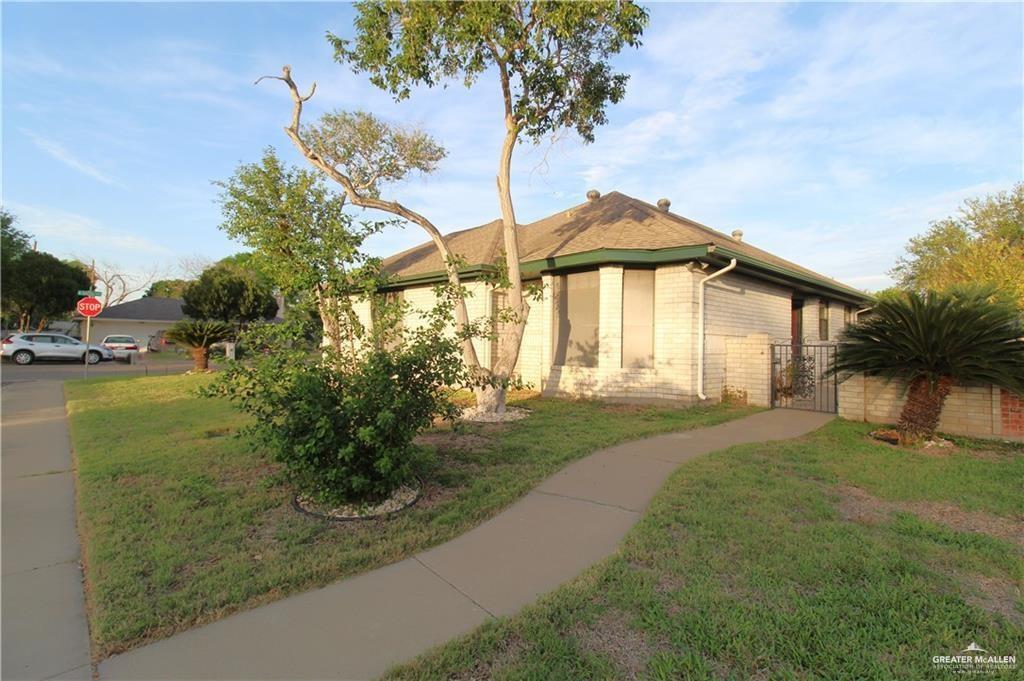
pixel 829 133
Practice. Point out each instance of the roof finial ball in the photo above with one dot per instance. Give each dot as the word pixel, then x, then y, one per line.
pixel 664 204
pixel 593 195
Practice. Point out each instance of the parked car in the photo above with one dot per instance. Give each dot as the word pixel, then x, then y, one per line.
pixel 122 345
pixel 25 348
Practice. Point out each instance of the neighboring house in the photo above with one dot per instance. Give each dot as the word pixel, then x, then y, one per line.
pixel 144 319
pixel 619 310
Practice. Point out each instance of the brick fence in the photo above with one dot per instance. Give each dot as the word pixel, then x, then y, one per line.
pixel 976 411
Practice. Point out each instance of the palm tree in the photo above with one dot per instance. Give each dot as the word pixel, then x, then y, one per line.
pixel 934 341
pixel 198 335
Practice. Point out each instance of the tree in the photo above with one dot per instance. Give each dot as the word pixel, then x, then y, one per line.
pixel 199 335
pixel 552 62
pixel 229 294
pixel 116 285
pixel 303 241
pixel 982 244
pixel 934 341
pixel 40 287
pixel 167 288
pixel 13 244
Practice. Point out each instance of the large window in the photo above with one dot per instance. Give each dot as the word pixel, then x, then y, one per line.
pixel 637 319
pixel 576 313
pixel 823 320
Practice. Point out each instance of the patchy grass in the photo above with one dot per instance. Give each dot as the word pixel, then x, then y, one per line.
pixel 183 523
pixel 748 564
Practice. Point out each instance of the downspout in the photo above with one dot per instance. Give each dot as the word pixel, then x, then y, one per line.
pixel 700 326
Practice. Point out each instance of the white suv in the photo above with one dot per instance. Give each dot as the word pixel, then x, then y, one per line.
pixel 25 348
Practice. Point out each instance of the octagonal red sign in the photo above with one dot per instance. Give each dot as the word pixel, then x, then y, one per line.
pixel 89 307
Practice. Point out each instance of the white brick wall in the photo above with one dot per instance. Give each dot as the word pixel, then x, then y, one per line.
pixel 742 316
pixel 737 307
pixel 674 351
pixel 969 410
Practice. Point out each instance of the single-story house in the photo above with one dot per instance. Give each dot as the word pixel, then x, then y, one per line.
pixel 145 319
pixel 639 302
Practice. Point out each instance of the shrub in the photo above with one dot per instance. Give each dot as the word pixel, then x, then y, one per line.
pixel 934 341
pixel 343 430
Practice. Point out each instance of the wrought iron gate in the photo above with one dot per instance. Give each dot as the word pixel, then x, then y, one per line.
pixel 800 378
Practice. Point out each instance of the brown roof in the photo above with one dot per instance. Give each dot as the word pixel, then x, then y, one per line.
pixel 612 221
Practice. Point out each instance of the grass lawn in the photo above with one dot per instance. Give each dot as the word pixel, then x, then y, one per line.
pixel 183 523
pixel 830 556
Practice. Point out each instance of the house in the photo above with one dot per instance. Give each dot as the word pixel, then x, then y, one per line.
pixel 145 319
pixel 621 306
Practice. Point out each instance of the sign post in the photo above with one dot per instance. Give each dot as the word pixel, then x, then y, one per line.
pixel 88 308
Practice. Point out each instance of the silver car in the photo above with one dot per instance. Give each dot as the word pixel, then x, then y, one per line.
pixel 25 348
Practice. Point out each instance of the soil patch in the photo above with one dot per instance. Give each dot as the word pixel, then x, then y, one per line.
pixel 996 595
pixel 857 505
pixel 507 652
pixel 615 640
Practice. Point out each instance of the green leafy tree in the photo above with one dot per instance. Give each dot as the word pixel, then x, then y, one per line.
pixel 934 341
pixel 303 241
pixel 230 294
pixel 40 288
pixel 982 244
pixel 13 244
pixel 167 288
pixel 552 61
pixel 199 335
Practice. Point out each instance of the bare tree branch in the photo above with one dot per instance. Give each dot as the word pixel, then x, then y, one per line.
pixel 394 207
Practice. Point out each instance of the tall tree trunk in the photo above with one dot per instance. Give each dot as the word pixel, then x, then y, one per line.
pixel 201 359
pixel 921 411
pixel 511 338
pixel 490 399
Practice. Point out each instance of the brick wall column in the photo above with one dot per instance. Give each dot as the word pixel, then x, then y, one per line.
pixel 609 353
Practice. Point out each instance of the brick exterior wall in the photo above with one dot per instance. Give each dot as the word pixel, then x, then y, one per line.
pixel 975 411
pixel 742 316
pixel 1011 414
pixel 748 369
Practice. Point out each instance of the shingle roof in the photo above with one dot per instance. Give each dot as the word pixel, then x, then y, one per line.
pixel 612 221
pixel 146 309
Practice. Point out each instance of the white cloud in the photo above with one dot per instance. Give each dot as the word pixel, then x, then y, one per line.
pixel 69 233
pixel 60 153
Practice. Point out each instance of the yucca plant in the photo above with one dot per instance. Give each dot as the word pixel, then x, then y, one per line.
pixel 198 335
pixel 934 341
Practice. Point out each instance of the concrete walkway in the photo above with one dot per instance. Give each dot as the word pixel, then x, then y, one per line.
pixel 359 627
pixel 44 629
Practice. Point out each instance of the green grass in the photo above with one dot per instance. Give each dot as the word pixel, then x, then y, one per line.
pixel 745 566
pixel 183 523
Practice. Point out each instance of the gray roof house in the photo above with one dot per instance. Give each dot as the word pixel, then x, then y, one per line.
pixel 639 302
pixel 145 319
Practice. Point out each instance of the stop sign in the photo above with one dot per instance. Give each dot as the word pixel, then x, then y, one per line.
pixel 89 307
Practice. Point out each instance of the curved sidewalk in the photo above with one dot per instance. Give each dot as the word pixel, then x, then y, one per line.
pixel 359 627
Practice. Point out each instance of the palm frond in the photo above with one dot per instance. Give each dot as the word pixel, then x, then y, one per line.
pixel 971 335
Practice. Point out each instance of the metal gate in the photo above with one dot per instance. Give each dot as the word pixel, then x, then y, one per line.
pixel 800 378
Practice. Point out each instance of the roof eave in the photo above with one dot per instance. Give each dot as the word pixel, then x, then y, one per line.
pixel 599 256
pixel 790 277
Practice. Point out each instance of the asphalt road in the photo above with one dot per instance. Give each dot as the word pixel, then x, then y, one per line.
pixel 63 371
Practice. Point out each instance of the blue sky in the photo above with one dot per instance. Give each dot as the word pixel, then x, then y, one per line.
pixel 829 133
